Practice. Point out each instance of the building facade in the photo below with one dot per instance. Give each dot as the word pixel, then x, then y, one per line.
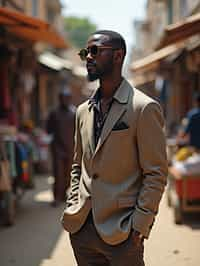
pixel 168 67
pixel 28 81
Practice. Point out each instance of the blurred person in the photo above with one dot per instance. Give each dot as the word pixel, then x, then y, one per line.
pixel 120 165
pixel 181 139
pixel 190 131
pixel 60 124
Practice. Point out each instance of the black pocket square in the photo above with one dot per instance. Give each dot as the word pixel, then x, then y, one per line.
pixel 120 126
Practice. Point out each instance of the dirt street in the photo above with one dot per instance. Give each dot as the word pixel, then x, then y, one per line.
pixel 37 239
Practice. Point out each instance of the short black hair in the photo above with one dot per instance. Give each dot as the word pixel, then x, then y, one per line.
pixel 115 38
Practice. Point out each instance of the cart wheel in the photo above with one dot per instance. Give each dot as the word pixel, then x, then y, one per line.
pixel 8 208
pixel 178 216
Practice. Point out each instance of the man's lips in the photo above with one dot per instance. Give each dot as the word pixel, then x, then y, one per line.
pixel 91 66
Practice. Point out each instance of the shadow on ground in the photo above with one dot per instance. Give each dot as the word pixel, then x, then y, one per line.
pixel 192 220
pixel 36 232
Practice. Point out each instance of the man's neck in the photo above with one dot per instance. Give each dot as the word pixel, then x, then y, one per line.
pixel 109 86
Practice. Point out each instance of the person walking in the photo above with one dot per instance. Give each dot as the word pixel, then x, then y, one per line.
pixel 120 166
pixel 191 131
pixel 60 124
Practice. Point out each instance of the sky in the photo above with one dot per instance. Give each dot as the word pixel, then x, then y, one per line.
pixel 117 15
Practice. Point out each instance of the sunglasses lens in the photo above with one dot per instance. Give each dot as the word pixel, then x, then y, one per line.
pixel 83 54
pixel 94 50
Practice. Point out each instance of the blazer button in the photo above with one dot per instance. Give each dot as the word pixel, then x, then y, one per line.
pixel 95 176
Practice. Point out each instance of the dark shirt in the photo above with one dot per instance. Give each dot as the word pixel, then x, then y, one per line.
pixel 60 124
pixel 193 127
pixel 99 115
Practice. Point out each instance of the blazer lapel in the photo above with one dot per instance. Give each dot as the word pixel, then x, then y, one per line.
pixel 90 129
pixel 115 113
pixel 117 110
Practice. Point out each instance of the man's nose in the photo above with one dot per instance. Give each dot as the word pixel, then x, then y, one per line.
pixel 89 56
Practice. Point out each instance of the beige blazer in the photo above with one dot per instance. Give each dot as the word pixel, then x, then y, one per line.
pixel 123 178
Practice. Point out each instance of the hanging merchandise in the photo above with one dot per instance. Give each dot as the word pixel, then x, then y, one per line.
pixel 7 200
pixel 22 163
pixel 5 100
pixel 10 148
pixel 5 183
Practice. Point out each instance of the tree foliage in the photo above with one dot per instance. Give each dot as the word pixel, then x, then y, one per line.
pixel 78 30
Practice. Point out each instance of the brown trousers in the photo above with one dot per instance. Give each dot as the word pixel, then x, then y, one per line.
pixel 90 250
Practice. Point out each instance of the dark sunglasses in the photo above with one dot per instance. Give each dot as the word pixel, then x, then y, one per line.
pixel 93 50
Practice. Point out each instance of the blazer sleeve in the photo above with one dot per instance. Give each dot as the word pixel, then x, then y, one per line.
pixel 72 194
pixel 153 161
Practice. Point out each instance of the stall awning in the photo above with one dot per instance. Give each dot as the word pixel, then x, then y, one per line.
pixel 79 71
pixel 29 28
pixel 153 60
pixel 58 63
pixel 181 30
pixel 140 80
pixel 54 62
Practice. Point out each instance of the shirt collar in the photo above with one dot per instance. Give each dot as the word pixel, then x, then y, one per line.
pixel 121 95
pixel 94 100
pixel 122 92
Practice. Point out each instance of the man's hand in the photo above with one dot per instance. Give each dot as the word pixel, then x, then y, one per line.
pixel 137 238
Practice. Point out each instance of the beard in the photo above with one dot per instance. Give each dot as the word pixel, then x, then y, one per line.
pixel 93 76
pixel 95 72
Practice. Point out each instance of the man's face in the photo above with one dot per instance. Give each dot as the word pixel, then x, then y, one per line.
pixel 100 57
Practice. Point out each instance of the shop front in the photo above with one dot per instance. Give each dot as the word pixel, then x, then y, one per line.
pixel 19 97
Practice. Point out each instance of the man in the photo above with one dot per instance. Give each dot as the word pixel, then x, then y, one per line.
pixel 120 166
pixel 192 129
pixel 60 124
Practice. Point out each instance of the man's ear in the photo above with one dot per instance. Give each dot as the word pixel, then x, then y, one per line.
pixel 118 55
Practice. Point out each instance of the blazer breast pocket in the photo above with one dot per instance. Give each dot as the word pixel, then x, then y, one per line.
pixel 120 126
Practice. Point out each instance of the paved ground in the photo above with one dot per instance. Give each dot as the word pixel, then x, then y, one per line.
pixel 37 239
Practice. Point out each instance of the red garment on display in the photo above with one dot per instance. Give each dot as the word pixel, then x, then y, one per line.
pixel 5 100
